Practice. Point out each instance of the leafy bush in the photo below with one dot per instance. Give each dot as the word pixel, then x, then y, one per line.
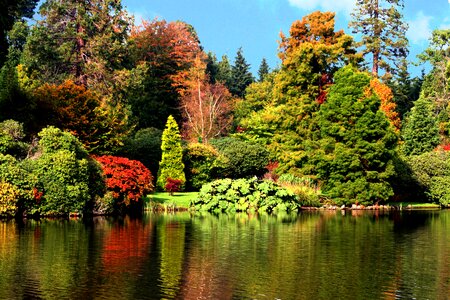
pixel 242 159
pixel 199 161
pixel 244 195
pixel 127 180
pixel 65 182
pixel 144 146
pixel 432 172
pixel 69 178
pixel 307 191
pixel 9 196
pixel 14 173
pixel 11 135
pixel 173 185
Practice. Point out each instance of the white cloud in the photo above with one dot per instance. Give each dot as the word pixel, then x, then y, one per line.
pixel 419 28
pixel 345 6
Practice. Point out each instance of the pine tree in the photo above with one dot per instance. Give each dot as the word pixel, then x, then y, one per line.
pixel 212 67
pixel 263 70
pixel 224 72
pixel 79 40
pixel 240 75
pixel 381 25
pixel 354 158
pixel 420 132
pixel 171 164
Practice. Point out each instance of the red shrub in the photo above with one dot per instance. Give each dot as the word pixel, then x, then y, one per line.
pixel 173 185
pixel 128 179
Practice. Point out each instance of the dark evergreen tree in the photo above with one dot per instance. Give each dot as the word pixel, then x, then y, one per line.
pixel 420 132
pixel 383 32
pixel 263 70
pixel 10 12
pixel 212 67
pixel 241 77
pixel 224 72
pixel 356 149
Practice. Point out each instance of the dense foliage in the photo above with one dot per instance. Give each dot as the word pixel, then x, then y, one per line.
pixel 200 162
pixel 227 195
pixel 356 149
pixel 328 129
pixel 240 159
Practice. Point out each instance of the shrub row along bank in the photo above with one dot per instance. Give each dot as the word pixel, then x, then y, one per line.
pixel 227 195
pixel 59 177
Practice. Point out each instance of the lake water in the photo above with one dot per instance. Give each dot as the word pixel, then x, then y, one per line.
pixel 312 255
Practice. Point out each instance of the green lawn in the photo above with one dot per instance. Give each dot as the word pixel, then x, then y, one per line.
pixel 164 201
pixel 414 205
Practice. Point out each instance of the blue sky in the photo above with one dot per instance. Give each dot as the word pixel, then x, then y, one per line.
pixel 225 25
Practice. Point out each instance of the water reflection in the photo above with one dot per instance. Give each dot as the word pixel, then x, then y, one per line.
pixel 355 255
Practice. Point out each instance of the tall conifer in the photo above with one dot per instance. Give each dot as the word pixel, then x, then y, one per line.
pixel 382 29
pixel 171 164
pixel 241 77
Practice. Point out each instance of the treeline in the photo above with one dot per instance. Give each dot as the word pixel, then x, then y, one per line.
pixel 338 132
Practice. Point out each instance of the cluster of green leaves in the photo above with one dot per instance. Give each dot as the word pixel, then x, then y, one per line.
pixel 239 158
pixel 431 170
pixel 69 178
pixel 354 158
pixel 59 179
pixel 144 146
pixel 200 162
pixel 227 195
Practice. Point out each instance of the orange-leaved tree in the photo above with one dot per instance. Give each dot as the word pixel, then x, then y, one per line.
pixel 206 107
pixel 388 105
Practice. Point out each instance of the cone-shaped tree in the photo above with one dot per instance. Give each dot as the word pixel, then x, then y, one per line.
pixel 263 70
pixel 171 164
pixel 241 77
pixel 421 132
pixel 354 159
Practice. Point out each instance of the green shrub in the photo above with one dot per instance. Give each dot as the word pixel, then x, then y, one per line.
pixel 241 159
pixel 307 191
pixel 70 179
pixel 199 161
pixel 144 146
pixel 11 135
pixel 244 195
pixel 16 174
pixel 431 170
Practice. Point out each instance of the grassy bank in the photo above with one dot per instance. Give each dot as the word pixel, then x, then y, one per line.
pixel 165 201
pixel 414 205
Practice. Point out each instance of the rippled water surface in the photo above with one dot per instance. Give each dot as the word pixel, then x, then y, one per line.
pixel 328 255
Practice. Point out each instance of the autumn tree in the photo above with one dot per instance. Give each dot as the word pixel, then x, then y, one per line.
pixel 164 52
pixel 206 107
pixel 388 105
pixel 383 33
pixel 241 76
pixel 171 164
pixel 310 55
pixel 74 108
